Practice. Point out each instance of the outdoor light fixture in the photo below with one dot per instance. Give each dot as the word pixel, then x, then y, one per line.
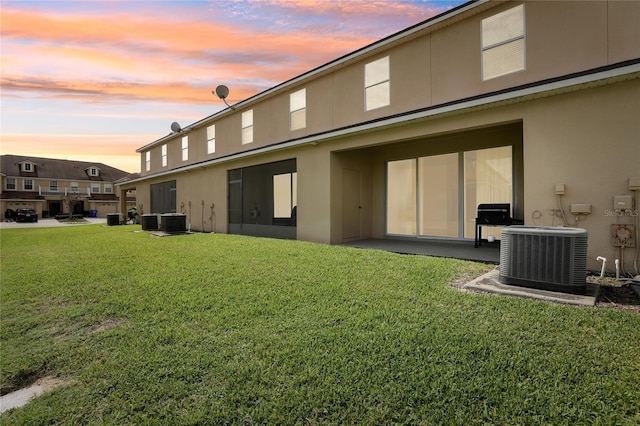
pixel 222 92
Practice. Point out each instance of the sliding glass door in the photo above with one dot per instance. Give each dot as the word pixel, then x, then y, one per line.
pixel 429 196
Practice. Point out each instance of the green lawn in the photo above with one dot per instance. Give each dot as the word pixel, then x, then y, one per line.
pixel 221 329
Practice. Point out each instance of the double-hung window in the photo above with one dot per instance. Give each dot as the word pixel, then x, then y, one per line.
pixel 28 184
pixel 503 47
pixel 298 109
pixel 164 155
pixel 211 139
pixel 10 183
pixel 147 159
pixel 185 148
pixel 247 127
pixel 377 84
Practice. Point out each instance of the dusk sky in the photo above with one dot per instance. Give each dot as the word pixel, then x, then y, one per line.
pixel 95 80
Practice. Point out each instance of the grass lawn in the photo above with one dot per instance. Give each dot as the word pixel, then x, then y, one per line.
pixel 222 329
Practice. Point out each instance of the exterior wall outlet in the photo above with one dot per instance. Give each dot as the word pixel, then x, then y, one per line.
pixel 634 184
pixel 622 202
pixel 559 188
pixel 580 208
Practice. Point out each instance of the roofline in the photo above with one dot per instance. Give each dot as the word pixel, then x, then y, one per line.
pixel 525 92
pixel 336 62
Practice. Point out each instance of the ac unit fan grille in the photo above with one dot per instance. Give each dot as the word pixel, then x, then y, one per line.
pixel 544 258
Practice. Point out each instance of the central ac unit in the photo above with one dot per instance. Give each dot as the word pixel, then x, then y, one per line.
pixel 547 258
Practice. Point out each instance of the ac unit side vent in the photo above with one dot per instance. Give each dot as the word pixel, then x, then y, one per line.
pixel 545 258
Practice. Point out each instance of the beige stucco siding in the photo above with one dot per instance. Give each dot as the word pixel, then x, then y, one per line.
pixel 590 141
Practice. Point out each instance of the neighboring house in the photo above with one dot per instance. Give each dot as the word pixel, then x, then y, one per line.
pixel 53 187
pixel 533 103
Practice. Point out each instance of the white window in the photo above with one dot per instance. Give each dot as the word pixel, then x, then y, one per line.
pixel 53 185
pixel 211 139
pixel 298 109
pixel 95 188
pixel 28 184
pixel 108 189
pixel 147 159
pixel 247 127
pixel 74 187
pixel 27 167
pixel 377 84
pixel 10 183
pixel 185 148
pixel 164 155
pixel 503 50
pixel 93 171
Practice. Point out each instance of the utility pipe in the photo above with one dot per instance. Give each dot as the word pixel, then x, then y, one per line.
pixel 604 264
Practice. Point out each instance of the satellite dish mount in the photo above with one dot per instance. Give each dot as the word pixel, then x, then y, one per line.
pixel 222 92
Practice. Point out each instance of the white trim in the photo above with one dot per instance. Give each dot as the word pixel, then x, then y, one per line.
pixel 631 71
pixel 407 33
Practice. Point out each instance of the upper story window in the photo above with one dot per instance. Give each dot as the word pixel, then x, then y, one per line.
pixel 298 109
pixel 93 171
pixel 95 187
pixel 10 183
pixel 164 155
pixel 503 50
pixel 74 187
pixel 27 166
pixel 377 84
pixel 185 148
pixel 108 189
pixel 28 184
pixel 247 127
pixel 53 185
pixel 211 139
pixel 147 160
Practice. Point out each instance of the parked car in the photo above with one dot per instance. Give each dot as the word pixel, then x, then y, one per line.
pixel 26 215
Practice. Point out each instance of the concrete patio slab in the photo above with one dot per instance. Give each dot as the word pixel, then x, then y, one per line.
pixel 489 283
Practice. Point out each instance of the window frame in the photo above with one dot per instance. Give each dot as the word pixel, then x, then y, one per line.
pixel 9 183
pixel 490 43
pixel 25 186
pixel 185 148
pixel 373 83
pixel 298 107
pixel 163 152
pixel 211 139
pixel 247 127
pixel 147 160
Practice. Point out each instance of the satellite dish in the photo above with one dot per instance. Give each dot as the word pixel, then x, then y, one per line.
pixel 175 127
pixel 222 91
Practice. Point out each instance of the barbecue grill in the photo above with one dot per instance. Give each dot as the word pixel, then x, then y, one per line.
pixel 493 215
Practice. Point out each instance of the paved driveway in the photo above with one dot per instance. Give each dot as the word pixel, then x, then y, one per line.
pixel 49 223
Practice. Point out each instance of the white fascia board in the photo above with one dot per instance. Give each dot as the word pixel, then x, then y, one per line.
pixel 333 64
pixel 456 107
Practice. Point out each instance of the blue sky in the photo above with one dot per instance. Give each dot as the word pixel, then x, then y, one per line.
pixel 94 80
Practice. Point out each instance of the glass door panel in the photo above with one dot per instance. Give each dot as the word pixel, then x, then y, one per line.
pixel 488 178
pixel 438 195
pixel 401 197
